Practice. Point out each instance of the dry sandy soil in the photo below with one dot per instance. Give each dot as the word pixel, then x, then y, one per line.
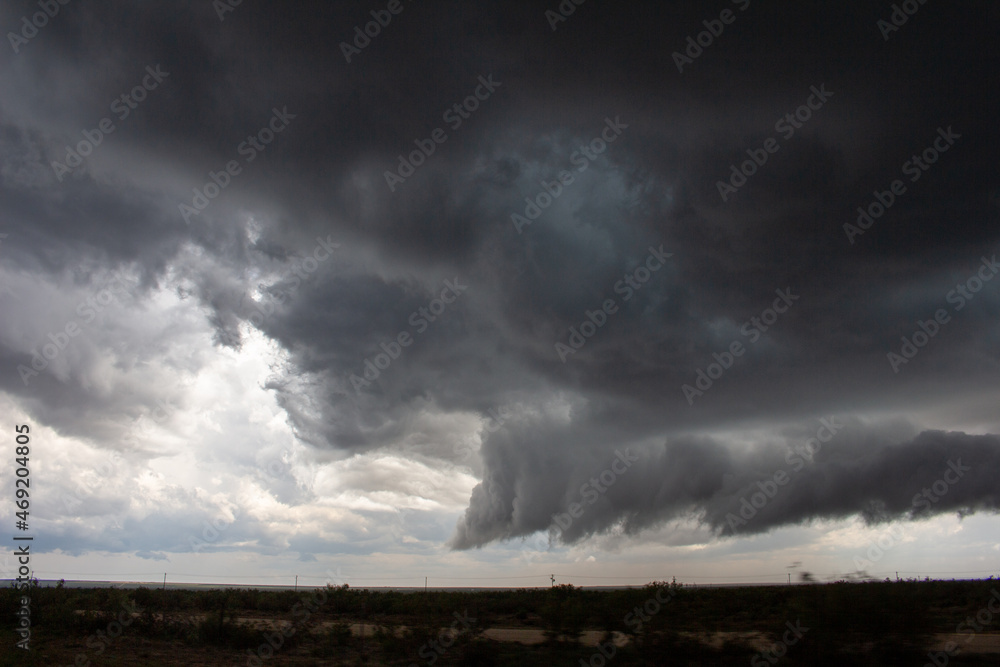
pixel 984 642
pixel 132 650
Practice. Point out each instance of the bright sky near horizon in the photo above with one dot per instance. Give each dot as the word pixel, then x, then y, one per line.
pixel 369 292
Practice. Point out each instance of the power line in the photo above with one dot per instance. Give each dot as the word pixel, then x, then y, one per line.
pixel 749 578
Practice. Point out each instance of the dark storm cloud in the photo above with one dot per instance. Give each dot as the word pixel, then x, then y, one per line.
pixel 656 184
pixel 731 490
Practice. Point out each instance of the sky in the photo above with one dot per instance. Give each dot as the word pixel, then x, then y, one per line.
pixel 496 293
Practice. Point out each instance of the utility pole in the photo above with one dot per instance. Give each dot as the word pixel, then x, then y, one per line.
pixel 553 577
pixel 425 584
pixel 789 578
pixel 164 581
pixel 296 583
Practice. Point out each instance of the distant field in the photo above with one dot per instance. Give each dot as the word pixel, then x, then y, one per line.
pixel 70 583
pixel 878 623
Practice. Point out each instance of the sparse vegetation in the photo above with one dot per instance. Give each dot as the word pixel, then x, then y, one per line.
pixel 870 623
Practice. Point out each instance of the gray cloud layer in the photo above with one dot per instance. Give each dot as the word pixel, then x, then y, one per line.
pixel 495 345
pixel 734 491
